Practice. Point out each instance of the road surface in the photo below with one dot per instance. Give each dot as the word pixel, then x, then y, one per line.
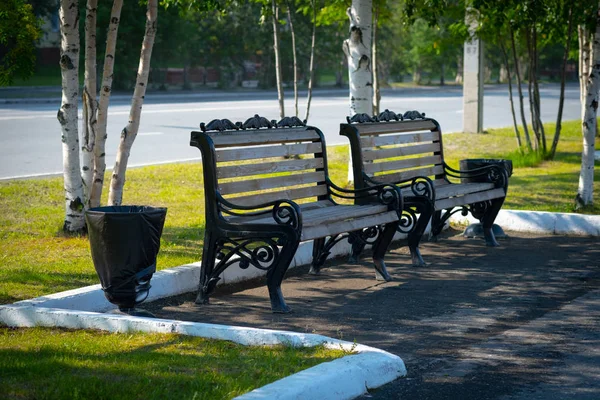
pixel 30 142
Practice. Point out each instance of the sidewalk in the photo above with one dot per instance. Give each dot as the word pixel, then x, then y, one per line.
pixel 520 321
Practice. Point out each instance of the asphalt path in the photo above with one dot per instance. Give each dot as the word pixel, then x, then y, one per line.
pixel 30 142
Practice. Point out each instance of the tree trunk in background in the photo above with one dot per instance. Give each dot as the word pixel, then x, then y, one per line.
pixel 510 95
pixel 376 88
pixel 536 94
pixel 518 76
pixel 311 67
pixel 289 12
pixel 275 18
pixel 105 90
pixel 585 192
pixel 459 70
pixel 129 133
pixel 68 118
pixel 90 102
pixel 563 76
pixel 357 49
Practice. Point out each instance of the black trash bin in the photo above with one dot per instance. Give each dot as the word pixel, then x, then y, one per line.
pixel 476 230
pixel 124 242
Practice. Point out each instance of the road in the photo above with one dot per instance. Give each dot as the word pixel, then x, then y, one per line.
pixel 30 134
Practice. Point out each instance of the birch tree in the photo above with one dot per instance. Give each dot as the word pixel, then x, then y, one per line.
pixel 311 67
pixel 129 133
pixel 589 122
pixel 357 49
pixel 278 72
pixel 68 118
pixel 90 103
pixel 102 110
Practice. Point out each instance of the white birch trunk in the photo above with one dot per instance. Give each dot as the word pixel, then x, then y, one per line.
pixel 106 88
pixel 584 64
pixel 67 116
pixel 293 33
pixel 311 67
pixel 129 133
pixel 585 191
pixel 357 49
pixel 376 92
pixel 275 18
pixel 90 103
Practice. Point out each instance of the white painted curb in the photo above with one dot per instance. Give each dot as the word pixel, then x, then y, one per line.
pixel 344 378
pixel 542 222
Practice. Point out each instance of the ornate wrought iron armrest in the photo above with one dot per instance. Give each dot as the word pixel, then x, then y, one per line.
pixel 284 212
pixel 420 186
pixel 491 173
pixel 386 194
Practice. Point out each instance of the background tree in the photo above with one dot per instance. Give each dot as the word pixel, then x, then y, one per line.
pixel 19 30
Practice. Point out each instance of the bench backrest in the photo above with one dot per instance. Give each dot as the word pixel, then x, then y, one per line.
pixel 395 151
pixel 255 166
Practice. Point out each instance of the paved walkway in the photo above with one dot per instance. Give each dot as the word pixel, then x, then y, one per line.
pixel 521 321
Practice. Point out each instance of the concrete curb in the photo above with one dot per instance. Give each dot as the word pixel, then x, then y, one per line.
pixel 344 378
pixel 542 222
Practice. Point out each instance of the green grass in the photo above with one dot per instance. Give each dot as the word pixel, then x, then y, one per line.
pixel 42 363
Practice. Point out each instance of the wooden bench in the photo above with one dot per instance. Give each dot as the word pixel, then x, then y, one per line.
pixel 392 148
pixel 267 189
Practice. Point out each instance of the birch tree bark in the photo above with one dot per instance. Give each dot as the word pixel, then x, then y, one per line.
pixel 584 64
pixel 563 75
pixel 67 116
pixel 586 177
pixel 357 49
pixel 376 91
pixel 105 91
pixel 519 87
pixel 293 33
pixel 90 103
pixel 311 67
pixel 275 19
pixel 129 133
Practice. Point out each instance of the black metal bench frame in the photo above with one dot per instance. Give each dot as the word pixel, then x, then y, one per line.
pixel 411 145
pixel 264 229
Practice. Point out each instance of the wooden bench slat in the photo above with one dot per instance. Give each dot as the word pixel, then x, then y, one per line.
pixel 290 194
pixel 263 136
pixel 328 214
pixel 333 228
pixel 373 168
pixel 409 174
pixel 404 126
pixel 469 199
pixel 287 150
pixel 451 190
pixel 270 183
pixel 387 140
pixel 379 154
pixel 240 170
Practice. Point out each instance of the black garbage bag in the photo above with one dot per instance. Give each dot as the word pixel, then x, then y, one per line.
pixel 124 242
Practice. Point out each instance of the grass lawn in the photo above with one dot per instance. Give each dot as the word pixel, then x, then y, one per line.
pixel 61 364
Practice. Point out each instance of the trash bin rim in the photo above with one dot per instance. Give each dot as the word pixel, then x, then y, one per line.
pixel 143 209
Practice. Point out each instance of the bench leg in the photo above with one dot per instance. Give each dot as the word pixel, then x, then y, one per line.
pixel 436 225
pixel 487 220
pixel 357 249
pixel 206 284
pixel 318 256
pixel 425 209
pixel 380 248
pixel 276 274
